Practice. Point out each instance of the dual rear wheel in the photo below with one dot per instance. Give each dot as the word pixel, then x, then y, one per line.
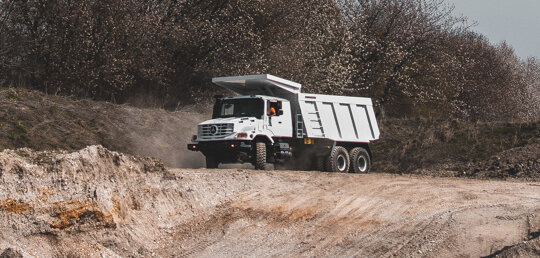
pixel 340 160
pixel 360 160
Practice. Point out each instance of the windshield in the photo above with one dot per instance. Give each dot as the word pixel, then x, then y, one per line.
pixel 242 108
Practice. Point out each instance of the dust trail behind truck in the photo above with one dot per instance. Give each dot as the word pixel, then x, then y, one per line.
pixel 273 122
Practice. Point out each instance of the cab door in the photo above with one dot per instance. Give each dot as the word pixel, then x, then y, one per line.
pixel 278 118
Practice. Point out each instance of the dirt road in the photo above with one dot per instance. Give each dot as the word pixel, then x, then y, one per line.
pixel 319 214
pixel 95 202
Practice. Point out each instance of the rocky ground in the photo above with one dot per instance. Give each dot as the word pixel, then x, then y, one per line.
pixel 96 202
pixel 522 162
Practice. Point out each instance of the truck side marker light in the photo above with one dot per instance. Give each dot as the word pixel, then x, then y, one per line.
pixel 242 135
pixel 309 141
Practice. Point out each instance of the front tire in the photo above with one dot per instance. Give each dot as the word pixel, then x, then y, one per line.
pixel 260 156
pixel 338 161
pixel 212 161
pixel 360 160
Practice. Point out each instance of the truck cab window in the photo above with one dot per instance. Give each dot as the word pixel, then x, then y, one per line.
pixel 273 108
pixel 227 110
pixel 248 107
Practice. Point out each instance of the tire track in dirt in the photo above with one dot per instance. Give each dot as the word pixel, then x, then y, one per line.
pixel 382 219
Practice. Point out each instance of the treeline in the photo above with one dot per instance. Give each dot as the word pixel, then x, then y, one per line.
pixel 413 57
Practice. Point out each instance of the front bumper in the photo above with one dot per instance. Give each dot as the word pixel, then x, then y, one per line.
pixel 226 151
pixel 220 146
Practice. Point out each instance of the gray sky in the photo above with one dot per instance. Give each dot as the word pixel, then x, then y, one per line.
pixel 516 21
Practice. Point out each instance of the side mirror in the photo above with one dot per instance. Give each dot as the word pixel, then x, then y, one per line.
pixel 280 112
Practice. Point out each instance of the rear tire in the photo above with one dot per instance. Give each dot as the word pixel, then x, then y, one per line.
pixel 260 156
pixel 360 160
pixel 338 161
pixel 212 161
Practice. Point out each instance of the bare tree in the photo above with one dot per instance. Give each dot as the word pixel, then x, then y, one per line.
pixel 413 57
pixel 396 48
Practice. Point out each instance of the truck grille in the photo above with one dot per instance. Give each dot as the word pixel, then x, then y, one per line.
pixel 215 131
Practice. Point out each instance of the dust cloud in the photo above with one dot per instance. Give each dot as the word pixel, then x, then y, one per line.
pixel 165 135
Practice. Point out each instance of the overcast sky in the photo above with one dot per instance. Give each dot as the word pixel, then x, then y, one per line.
pixel 516 21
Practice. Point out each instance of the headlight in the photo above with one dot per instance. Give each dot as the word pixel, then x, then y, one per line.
pixel 194 137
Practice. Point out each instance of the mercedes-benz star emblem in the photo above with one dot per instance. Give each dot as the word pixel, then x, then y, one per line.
pixel 214 130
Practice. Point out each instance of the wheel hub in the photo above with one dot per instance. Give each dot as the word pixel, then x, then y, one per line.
pixel 341 162
pixel 362 163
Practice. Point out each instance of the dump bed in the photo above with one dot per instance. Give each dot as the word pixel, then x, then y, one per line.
pixel 345 119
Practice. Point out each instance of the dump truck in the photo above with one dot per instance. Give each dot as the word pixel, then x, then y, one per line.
pixel 272 121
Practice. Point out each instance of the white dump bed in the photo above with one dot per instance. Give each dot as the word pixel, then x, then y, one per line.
pixel 346 119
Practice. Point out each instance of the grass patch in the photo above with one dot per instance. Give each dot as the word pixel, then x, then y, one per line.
pixel 19 135
pixel 12 95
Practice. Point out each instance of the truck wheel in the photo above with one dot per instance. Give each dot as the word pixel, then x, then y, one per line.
pixel 360 161
pixel 260 156
pixel 212 161
pixel 338 161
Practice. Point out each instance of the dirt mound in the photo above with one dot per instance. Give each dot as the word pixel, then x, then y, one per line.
pixel 45 122
pixel 530 248
pixel 96 202
pixel 521 162
pixel 42 173
pixel 47 194
pixel 445 147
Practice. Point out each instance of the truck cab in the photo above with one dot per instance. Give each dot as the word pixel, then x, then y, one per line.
pixel 237 122
pixel 245 118
pixel 273 122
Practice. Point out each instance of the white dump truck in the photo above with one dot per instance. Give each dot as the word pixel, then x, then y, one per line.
pixel 271 121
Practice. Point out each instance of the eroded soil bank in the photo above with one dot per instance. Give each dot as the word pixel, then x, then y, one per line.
pixel 97 202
